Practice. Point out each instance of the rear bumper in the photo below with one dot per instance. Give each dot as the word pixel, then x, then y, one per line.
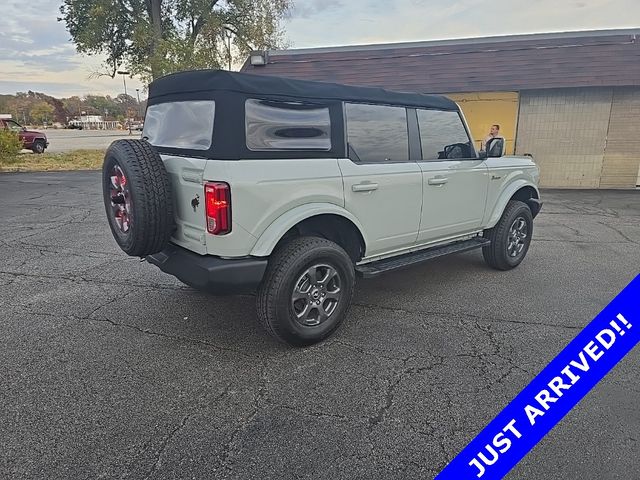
pixel 215 275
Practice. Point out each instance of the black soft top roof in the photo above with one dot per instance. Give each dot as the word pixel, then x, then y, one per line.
pixel 200 81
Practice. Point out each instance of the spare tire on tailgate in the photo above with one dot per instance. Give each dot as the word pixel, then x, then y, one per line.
pixel 137 197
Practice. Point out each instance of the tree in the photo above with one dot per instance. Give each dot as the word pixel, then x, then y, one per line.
pixel 151 38
pixel 4 103
pixel 10 146
pixel 74 105
pixel 97 104
pixel 41 112
pixel 127 106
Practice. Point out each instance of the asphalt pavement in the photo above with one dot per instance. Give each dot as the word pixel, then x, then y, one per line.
pixel 69 140
pixel 111 369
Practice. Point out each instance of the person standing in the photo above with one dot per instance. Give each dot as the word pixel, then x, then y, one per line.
pixel 493 133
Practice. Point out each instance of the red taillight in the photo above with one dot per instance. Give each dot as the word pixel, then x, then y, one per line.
pixel 217 196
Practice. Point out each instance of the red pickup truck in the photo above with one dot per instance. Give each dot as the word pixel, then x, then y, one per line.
pixel 31 140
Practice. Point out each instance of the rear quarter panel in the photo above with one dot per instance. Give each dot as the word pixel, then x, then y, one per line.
pixel 264 190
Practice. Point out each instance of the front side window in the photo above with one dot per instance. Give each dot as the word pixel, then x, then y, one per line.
pixel 377 133
pixel 277 125
pixel 13 126
pixel 186 125
pixel 443 136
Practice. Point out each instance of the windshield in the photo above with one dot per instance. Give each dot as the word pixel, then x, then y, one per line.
pixel 11 125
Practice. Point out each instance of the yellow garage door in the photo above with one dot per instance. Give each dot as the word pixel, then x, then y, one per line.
pixel 484 109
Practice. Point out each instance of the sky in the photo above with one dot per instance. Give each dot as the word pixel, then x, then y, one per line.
pixel 36 54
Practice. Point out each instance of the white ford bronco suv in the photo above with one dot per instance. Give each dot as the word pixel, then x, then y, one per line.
pixel 245 183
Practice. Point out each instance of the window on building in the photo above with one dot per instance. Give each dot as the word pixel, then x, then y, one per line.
pixel 180 124
pixel 276 125
pixel 443 135
pixel 377 133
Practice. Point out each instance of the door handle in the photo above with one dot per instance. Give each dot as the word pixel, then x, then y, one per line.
pixel 437 180
pixel 364 187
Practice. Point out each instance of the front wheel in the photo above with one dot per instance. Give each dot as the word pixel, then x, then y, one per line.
pixel 306 292
pixel 510 237
pixel 38 146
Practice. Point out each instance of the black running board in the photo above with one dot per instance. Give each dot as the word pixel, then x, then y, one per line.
pixel 374 269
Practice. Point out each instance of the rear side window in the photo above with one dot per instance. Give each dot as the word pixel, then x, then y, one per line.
pixel 273 125
pixel 186 125
pixel 377 133
pixel 443 135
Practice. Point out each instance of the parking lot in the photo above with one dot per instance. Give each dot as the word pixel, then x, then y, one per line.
pixel 68 140
pixel 111 369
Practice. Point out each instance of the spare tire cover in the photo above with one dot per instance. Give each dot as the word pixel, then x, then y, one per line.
pixel 137 197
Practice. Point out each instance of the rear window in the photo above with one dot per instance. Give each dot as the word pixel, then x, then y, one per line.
pixel 274 125
pixel 186 125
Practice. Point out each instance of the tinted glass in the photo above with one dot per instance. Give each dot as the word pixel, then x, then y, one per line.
pixel 11 125
pixel 377 133
pixel 443 135
pixel 180 124
pixel 271 125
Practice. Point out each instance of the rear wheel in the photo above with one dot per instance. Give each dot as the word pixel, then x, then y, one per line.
pixel 306 292
pixel 510 238
pixel 38 146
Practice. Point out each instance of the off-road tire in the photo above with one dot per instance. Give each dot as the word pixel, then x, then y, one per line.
pixel 275 311
pixel 39 146
pixel 496 254
pixel 152 222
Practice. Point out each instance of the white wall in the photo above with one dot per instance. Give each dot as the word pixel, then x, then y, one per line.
pixel 582 137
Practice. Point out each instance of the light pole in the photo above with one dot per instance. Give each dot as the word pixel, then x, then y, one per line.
pixel 124 81
pixel 138 95
pixel 228 33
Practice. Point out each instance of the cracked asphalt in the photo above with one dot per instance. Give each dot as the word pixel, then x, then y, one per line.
pixel 111 369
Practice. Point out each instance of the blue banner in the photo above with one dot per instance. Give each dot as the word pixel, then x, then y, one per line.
pixel 551 394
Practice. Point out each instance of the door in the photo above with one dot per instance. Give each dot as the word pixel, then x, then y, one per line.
pixel 455 181
pixel 382 185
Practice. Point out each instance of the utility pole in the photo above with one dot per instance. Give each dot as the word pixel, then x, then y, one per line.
pixel 228 33
pixel 124 81
pixel 138 95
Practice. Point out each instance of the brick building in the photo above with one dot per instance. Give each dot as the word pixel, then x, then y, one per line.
pixel 570 99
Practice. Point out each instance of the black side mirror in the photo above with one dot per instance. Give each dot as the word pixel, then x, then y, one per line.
pixel 495 147
pixel 482 154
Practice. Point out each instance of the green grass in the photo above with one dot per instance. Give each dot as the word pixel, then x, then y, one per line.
pixel 75 160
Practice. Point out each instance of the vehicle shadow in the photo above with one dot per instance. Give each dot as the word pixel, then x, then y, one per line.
pixel 231 321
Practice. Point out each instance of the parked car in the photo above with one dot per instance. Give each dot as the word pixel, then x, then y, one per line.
pixel 74 126
pixel 31 140
pixel 290 189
